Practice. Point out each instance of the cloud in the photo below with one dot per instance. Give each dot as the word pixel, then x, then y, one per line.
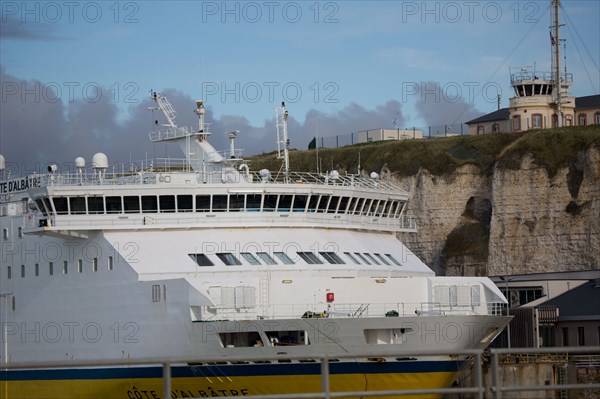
pixel 445 105
pixel 38 127
pixel 13 29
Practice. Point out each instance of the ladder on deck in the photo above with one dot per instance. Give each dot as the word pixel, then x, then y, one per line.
pixel 562 380
pixel 361 309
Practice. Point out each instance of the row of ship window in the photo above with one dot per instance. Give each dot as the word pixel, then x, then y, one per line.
pixel 220 203
pixel 264 258
pixel 65 267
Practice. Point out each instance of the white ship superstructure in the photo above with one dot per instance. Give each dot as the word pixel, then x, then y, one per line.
pixel 204 257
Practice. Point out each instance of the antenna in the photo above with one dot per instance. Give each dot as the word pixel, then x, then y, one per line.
pixel 317 144
pixel 282 138
pixel 555 42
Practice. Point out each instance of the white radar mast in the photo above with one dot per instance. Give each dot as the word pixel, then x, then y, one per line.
pixel 283 141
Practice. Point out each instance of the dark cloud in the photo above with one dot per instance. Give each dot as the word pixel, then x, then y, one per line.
pixel 41 128
pixel 13 29
pixel 440 105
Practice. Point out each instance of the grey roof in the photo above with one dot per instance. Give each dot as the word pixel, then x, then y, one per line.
pixel 549 276
pixel 501 115
pixel 588 102
pixel 579 302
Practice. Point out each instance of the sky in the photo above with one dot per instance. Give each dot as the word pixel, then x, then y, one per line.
pixel 76 76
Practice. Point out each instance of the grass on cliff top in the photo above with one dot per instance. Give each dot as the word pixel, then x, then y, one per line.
pixel 551 148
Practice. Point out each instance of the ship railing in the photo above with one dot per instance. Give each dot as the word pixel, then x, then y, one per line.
pixel 339 310
pixel 145 171
pixel 190 219
pixel 177 132
pixel 325 179
pixel 474 384
pixel 533 76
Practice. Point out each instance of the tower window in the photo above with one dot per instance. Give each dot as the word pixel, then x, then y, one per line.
pixel 536 121
pixel 517 123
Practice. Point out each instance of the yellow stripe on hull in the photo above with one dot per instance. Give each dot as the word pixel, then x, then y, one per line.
pixel 193 387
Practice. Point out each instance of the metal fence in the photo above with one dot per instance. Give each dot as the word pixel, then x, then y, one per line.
pixel 478 390
pixel 407 133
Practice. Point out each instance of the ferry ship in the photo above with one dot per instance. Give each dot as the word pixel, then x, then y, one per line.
pixel 204 258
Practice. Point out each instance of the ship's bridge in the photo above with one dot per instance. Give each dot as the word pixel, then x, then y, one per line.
pixel 527 83
pixel 74 204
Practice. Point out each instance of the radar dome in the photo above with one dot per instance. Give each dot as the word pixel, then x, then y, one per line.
pixel 265 175
pixel 374 175
pixel 334 175
pixel 2 162
pixel 80 162
pixel 100 161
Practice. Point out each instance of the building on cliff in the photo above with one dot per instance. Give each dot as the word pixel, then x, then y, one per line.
pixel 541 99
pixel 552 309
pixel 535 116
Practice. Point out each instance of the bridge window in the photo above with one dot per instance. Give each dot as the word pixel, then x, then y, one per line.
pixel 113 205
pixel 333 204
pixel 285 203
pixel 60 204
pixel 313 202
pixel 131 204
pixel 219 203
pixel 300 202
pixel 41 207
pixel 167 203
pixel 236 202
pixel 95 205
pixel 202 203
pixel 48 205
pixel 149 204
pixel 343 205
pixel 270 203
pixel 77 205
pixel 324 203
pixel 253 202
pixel 184 203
